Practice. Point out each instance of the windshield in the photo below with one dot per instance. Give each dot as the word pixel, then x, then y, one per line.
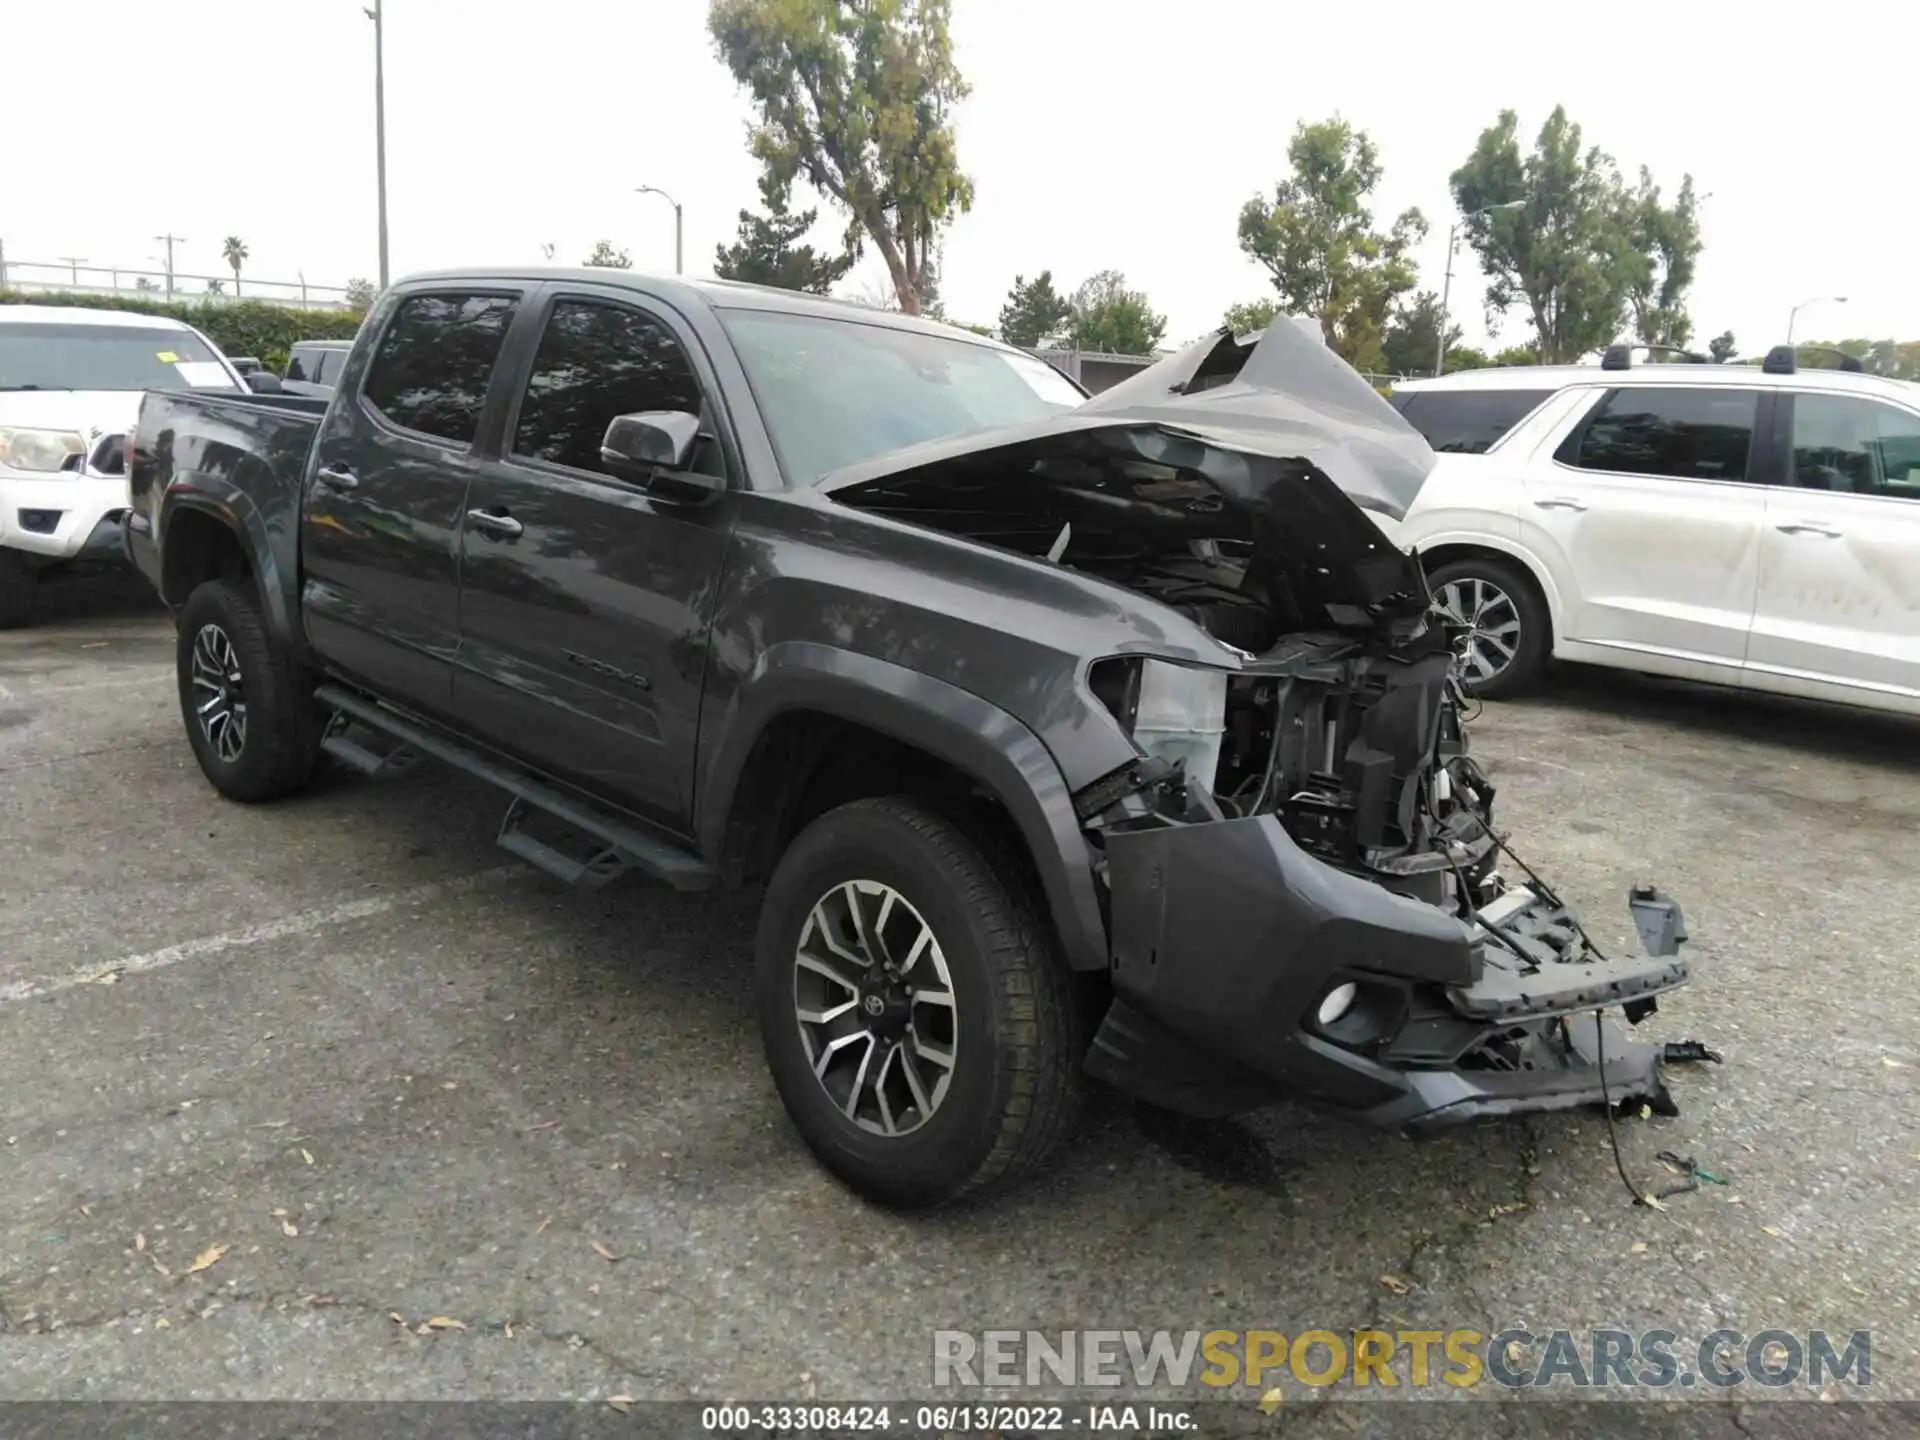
pixel 838 391
pixel 55 356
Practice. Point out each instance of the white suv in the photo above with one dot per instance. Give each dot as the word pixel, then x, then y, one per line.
pixel 70 386
pixel 1754 526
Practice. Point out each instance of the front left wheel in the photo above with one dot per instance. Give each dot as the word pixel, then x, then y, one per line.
pixel 920 1027
pixel 248 706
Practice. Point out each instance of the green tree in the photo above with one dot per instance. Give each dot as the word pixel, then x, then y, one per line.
pixel 1465 357
pixel 1035 312
pixel 216 287
pixel 1662 248
pixel 1110 319
pixel 606 257
pixel 1721 347
pixel 1518 355
pixel 768 253
pixel 360 296
pixel 1413 334
pixel 856 97
pixel 1317 240
pixel 1561 253
pixel 234 250
pixel 1251 317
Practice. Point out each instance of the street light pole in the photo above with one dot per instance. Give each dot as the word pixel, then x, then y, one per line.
pixel 380 126
pixel 74 262
pixel 1446 284
pixel 678 219
pixel 1794 316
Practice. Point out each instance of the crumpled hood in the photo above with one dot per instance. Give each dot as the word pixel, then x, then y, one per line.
pixel 1274 443
pixel 1287 395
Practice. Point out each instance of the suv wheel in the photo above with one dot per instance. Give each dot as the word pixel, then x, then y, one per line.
pixel 17 589
pixel 920 1028
pixel 1507 648
pixel 249 711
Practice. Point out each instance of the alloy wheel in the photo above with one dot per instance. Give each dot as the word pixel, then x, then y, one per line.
pixel 875 1005
pixel 220 703
pixel 1493 623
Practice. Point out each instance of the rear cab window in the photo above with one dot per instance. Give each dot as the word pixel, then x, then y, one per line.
pixel 435 361
pixel 1466 422
pixel 1678 432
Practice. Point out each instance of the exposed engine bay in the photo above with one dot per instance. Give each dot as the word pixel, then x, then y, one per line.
pixel 1301 865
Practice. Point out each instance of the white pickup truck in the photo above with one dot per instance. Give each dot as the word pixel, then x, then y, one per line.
pixel 70 386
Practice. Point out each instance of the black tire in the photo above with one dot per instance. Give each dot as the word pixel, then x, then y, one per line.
pixel 1525 604
pixel 1015 1083
pixel 275 748
pixel 18 586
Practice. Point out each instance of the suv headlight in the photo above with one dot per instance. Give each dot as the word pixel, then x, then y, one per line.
pixel 1173 711
pixel 45 452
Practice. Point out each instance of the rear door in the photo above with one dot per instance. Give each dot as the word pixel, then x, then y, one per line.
pixel 1647 513
pixel 386 488
pixel 1839 606
pixel 586 600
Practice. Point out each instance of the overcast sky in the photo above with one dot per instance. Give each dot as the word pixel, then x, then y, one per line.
pixel 1098 135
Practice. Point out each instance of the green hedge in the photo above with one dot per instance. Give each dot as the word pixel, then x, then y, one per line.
pixel 239 327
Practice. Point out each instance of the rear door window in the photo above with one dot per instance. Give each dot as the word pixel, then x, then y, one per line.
pixel 434 363
pixel 1673 431
pixel 303 364
pixel 330 364
pixel 1849 443
pixel 1466 422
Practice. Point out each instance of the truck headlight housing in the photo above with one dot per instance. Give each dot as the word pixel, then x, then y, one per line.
pixel 41 452
pixel 1173 711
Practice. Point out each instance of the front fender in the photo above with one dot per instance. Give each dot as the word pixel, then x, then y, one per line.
pixel 974 736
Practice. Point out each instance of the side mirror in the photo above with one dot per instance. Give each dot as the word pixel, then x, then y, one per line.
pixel 652 449
pixel 263 382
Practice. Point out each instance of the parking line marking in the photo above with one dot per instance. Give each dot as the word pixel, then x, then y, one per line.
pixel 305 922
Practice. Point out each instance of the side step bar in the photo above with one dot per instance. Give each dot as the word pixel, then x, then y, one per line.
pixel 621 847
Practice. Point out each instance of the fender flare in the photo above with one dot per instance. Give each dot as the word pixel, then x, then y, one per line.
pixel 974 736
pixel 227 503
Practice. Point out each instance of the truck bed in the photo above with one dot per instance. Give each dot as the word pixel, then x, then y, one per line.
pixel 238 455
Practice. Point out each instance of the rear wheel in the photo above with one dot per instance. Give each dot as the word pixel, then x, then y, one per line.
pixel 1507 647
pixel 17 589
pixel 248 707
pixel 920 1028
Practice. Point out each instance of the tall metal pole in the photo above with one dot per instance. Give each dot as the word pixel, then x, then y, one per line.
pixel 1446 288
pixel 380 126
pixel 170 241
pixel 1794 317
pixel 1446 294
pixel 678 219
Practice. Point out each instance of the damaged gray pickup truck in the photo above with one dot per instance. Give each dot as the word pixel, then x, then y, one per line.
pixel 1066 736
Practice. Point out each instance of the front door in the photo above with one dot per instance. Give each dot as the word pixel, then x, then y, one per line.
pixel 585 600
pixel 1648 516
pixel 1839 609
pixel 386 487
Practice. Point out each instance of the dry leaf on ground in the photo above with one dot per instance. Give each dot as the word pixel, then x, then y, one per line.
pixel 1395 1284
pixel 445 1322
pixel 622 1403
pixel 207 1258
pixel 1270 1401
pixel 607 1253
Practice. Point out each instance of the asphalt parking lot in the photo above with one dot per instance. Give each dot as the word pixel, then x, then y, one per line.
pixel 453 1131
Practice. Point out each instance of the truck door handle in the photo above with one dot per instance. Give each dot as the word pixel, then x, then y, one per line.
pixel 497 523
pixel 1560 502
pixel 1808 527
pixel 336 477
